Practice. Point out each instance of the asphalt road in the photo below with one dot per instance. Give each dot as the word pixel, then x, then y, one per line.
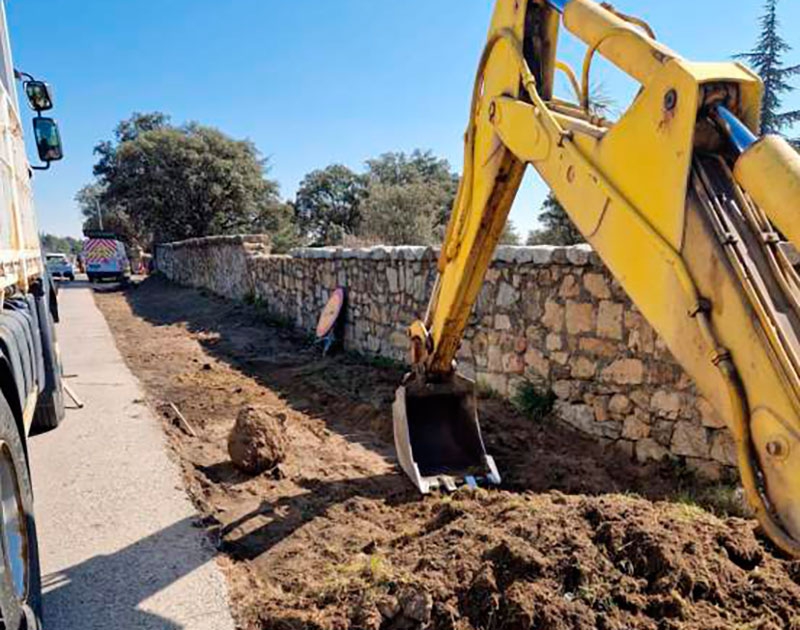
pixel 116 536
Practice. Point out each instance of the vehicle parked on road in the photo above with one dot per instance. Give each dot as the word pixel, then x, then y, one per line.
pixel 31 390
pixel 105 258
pixel 60 266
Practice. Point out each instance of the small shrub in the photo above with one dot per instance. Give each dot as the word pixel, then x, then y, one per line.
pixel 531 401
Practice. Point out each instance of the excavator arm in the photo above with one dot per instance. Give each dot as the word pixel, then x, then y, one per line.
pixel 678 197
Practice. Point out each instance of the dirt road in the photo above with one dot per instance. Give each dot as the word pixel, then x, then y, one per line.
pixel 118 537
pixel 335 538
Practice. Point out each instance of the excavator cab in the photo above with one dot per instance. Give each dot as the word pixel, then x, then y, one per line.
pixel 438 436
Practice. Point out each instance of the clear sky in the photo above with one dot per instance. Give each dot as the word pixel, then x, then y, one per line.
pixel 311 82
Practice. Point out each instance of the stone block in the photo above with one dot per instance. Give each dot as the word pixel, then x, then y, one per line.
pixel 708 416
pixel 570 287
pixel 502 322
pixel 624 372
pixel 583 368
pixel 609 320
pixel 661 431
pixel 495 359
pixel 513 363
pixel 563 389
pixel 690 439
pixel 580 317
pixel 600 407
pixel 507 295
pixel 393 279
pixel 649 450
pixel 553 342
pixel 723 448
pixel 635 428
pixel 537 363
pixel 496 382
pixel 578 255
pixel 553 316
pixel 666 404
pixel 542 255
pixel 597 285
pixel 580 417
pixel 598 347
pixel 641 337
pixel 619 404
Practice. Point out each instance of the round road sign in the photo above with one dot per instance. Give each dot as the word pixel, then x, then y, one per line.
pixel 330 314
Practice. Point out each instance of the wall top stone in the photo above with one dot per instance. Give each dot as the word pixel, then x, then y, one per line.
pixel 539 255
pixel 217 241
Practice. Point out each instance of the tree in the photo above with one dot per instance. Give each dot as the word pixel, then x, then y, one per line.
pixel 400 215
pixel 165 183
pixel 328 204
pixel 767 60
pixel 91 204
pixel 510 236
pixel 410 198
pixel 53 244
pixel 558 227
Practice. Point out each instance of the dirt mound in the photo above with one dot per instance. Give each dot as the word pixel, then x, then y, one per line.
pixel 257 442
pixel 498 560
pixel 340 539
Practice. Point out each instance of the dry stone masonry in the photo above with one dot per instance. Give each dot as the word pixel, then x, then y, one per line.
pixel 551 316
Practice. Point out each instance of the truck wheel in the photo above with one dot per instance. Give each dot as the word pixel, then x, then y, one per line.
pixel 20 580
pixel 50 407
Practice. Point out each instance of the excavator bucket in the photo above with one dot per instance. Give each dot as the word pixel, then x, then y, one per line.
pixel 438 437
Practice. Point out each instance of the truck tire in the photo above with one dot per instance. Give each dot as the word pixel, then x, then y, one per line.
pixel 20 581
pixel 50 406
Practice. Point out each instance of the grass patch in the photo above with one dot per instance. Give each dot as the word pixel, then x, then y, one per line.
pixel 721 499
pixel 484 391
pixel 533 402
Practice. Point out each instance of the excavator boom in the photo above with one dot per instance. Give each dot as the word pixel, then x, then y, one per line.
pixel 678 197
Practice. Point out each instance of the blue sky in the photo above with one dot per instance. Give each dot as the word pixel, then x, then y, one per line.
pixel 311 82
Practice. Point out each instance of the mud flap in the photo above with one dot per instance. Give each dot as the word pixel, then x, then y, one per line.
pixel 438 437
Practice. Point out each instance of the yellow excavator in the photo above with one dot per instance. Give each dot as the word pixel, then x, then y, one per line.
pixel 682 200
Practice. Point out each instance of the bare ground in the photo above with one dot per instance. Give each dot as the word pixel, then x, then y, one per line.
pixel 335 538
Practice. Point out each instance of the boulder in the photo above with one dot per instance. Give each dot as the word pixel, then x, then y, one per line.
pixel 258 440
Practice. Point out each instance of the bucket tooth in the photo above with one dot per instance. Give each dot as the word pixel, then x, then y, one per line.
pixel 438 437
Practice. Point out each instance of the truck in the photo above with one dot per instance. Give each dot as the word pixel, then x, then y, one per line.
pixel 31 389
pixel 105 257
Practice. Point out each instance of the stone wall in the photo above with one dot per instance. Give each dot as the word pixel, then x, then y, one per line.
pixel 551 316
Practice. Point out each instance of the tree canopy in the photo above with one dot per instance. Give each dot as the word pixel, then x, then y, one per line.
pixel 156 182
pixel 557 229
pixel 766 58
pixel 52 244
pixel 328 204
pixel 401 199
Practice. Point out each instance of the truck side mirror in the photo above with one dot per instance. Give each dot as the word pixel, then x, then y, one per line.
pixel 39 96
pixel 48 139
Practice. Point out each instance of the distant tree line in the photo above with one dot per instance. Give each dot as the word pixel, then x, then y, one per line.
pixel 52 244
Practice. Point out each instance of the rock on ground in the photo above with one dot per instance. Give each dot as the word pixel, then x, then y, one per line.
pixel 257 441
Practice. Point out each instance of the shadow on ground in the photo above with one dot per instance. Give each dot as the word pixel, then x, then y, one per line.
pixel 87 595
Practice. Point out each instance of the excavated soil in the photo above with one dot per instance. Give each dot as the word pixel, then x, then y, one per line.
pixel 334 537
